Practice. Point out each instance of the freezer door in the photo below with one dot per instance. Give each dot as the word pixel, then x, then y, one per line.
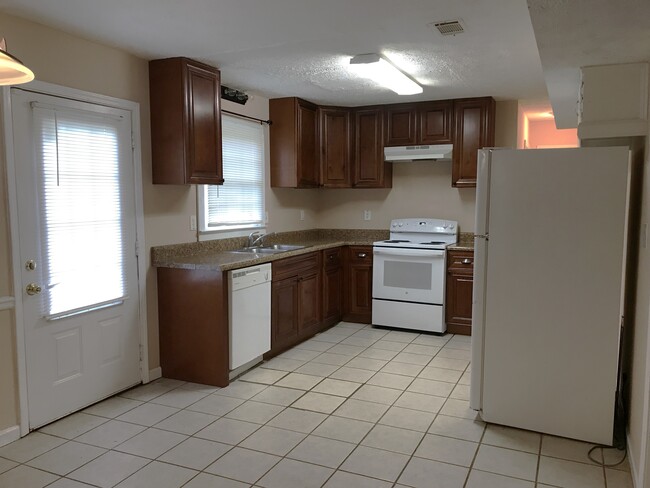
pixel 481 231
pixel 553 289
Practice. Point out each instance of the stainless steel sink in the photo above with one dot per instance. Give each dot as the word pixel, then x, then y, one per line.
pixel 274 249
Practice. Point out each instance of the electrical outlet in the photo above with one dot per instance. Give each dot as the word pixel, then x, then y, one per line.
pixel 266 217
pixel 367 215
pixel 302 214
pixel 192 222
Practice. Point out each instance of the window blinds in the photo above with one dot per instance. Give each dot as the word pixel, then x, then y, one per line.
pixel 239 202
pixel 80 206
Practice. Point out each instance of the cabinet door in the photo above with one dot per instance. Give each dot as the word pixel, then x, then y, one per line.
pixel 204 124
pixel 458 301
pixel 370 170
pixel 474 121
pixel 399 124
pixel 435 122
pixel 284 313
pixel 335 147
pixel 332 293
pixel 185 122
pixel 308 161
pixel 309 297
pixel 358 284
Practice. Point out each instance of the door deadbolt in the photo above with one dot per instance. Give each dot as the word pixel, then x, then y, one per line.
pixel 33 289
pixel 30 265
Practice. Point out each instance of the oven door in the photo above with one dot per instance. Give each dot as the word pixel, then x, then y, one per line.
pixel 408 275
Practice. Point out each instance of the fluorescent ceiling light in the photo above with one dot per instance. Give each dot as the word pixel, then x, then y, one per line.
pixel 12 71
pixel 376 68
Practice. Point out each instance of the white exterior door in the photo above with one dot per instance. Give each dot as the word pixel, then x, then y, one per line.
pixel 77 236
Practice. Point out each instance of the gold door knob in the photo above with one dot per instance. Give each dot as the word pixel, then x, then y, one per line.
pixel 33 289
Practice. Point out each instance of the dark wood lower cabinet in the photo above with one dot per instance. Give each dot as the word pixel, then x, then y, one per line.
pixel 460 281
pixel 193 325
pixel 358 285
pixel 295 301
pixel 332 287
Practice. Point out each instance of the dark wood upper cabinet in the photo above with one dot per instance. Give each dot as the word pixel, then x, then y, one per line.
pixel 335 146
pixel 435 122
pixel 295 142
pixel 474 129
pixel 370 169
pixel 185 122
pixel 400 124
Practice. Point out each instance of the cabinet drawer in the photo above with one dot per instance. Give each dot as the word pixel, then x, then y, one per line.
pixel 360 255
pixel 332 258
pixel 458 260
pixel 288 267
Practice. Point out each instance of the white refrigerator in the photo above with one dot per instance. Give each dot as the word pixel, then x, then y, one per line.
pixel 550 246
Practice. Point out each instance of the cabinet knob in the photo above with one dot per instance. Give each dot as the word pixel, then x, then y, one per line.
pixel 331 256
pixel 361 255
pixel 467 261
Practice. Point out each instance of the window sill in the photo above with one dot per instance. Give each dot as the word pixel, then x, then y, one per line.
pixel 211 235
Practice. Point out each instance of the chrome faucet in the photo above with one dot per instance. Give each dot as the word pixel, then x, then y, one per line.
pixel 256 238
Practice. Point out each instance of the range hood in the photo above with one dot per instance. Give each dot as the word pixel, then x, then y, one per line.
pixel 405 154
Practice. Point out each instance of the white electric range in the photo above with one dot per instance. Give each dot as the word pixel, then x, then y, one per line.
pixel 409 269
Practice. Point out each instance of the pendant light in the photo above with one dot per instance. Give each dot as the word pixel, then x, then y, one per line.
pixel 12 70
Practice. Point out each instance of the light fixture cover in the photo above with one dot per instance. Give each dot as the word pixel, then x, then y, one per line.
pixel 376 68
pixel 12 70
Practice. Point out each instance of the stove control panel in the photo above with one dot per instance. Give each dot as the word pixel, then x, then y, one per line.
pixel 436 226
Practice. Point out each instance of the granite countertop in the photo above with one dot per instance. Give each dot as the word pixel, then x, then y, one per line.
pixel 218 255
pixel 465 242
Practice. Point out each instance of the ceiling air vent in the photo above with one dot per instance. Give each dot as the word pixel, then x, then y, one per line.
pixel 449 27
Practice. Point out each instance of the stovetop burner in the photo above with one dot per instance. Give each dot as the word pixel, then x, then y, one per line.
pixel 432 243
pixel 394 241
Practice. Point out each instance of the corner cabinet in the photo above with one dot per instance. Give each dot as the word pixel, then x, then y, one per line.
pixel 185 98
pixel 460 283
pixel 358 284
pixel 370 169
pixel 294 135
pixel 474 120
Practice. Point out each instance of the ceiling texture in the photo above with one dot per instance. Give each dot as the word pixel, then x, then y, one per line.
pixel 302 47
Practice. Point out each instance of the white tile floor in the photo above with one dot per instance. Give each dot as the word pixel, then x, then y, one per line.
pixel 354 407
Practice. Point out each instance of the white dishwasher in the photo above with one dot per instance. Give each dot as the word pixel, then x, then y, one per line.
pixel 249 314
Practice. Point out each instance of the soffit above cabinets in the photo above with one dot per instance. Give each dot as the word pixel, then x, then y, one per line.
pixel 280 48
pixel 577 33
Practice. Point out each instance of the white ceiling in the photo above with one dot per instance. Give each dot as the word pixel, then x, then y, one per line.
pixel 301 47
pixel 575 33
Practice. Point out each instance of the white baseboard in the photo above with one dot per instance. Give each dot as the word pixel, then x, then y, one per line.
pixel 155 373
pixel 9 435
pixel 636 482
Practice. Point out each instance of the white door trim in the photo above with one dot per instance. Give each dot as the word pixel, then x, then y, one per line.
pixel 74 94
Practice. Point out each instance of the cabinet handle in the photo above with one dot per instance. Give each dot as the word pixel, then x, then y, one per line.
pixel 361 255
pixel 467 261
pixel 331 256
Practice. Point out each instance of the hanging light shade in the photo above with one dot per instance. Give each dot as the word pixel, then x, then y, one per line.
pixel 12 70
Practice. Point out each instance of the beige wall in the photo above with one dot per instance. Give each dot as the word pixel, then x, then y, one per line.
pixel 544 133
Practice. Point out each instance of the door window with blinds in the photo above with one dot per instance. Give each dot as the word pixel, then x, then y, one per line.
pixel 80 208
pixel 239 202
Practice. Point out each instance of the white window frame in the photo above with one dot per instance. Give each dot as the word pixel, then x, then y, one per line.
pixel 236 230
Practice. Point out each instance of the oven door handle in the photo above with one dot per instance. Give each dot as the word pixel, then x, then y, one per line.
pixel 408 252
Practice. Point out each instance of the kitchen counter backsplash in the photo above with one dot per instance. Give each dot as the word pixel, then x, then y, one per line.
pixel 214 254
